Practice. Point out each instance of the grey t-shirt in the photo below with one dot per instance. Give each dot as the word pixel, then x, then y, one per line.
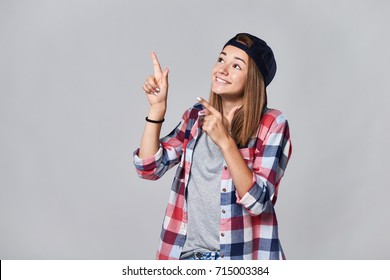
pixel 203 197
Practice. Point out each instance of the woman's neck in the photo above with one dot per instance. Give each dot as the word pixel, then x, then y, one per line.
pixel 227 105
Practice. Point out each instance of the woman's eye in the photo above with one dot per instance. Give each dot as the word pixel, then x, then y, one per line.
pixel 237 66
pixel 220 60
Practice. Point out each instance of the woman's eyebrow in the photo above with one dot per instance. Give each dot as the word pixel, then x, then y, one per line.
pixel 235 57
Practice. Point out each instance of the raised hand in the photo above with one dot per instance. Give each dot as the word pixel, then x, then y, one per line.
pixel 156 85
pixel 216 125
pixel 156 89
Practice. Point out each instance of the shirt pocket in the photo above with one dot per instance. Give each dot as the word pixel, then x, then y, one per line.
pixel 249 156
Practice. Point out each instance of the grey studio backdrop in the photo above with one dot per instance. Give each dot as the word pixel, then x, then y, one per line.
pixel 72 112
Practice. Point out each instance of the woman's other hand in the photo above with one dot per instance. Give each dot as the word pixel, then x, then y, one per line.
pixel 216 125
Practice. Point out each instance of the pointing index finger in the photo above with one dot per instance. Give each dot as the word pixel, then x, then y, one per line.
pixel 207 105
pixel 156 64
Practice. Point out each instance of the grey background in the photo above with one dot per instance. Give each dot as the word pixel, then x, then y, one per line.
pixel 72 111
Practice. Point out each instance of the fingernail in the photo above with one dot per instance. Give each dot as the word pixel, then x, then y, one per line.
pixel 155 93
pixel 198 98
pixel 157 89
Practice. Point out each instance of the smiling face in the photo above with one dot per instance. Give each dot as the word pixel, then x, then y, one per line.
pixel 229 73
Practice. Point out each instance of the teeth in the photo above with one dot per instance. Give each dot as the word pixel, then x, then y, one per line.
pixel 220 80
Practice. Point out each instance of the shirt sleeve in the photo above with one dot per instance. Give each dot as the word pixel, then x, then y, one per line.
pixel 269 165
pixel 168 155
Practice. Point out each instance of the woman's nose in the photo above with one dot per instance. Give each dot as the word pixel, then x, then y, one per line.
pixel 223 69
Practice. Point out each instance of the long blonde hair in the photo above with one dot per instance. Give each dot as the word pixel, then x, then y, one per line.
pixel 246 119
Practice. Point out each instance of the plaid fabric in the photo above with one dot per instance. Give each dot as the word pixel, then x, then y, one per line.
pixel 248 227
pixel 204 256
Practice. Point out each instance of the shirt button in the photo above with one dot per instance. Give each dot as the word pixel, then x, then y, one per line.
pixel 223 211
pixel 222 234
pixel 224 190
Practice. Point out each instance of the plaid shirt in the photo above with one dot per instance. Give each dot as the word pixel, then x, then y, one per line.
pixel 248 225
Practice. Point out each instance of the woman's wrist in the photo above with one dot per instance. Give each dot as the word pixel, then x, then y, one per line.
pixel 227 145
pixel 157 112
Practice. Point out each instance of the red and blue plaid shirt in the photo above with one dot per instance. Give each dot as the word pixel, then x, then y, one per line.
pixel 248 225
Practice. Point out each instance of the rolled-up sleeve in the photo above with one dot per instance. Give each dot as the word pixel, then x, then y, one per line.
pixel 269 165
pixel 146 168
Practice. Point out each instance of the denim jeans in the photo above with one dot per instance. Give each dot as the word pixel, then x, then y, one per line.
pixel 208 255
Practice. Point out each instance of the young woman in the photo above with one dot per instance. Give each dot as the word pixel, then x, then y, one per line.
pixel 231 153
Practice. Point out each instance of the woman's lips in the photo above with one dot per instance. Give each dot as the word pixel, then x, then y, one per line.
pixel 221 81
